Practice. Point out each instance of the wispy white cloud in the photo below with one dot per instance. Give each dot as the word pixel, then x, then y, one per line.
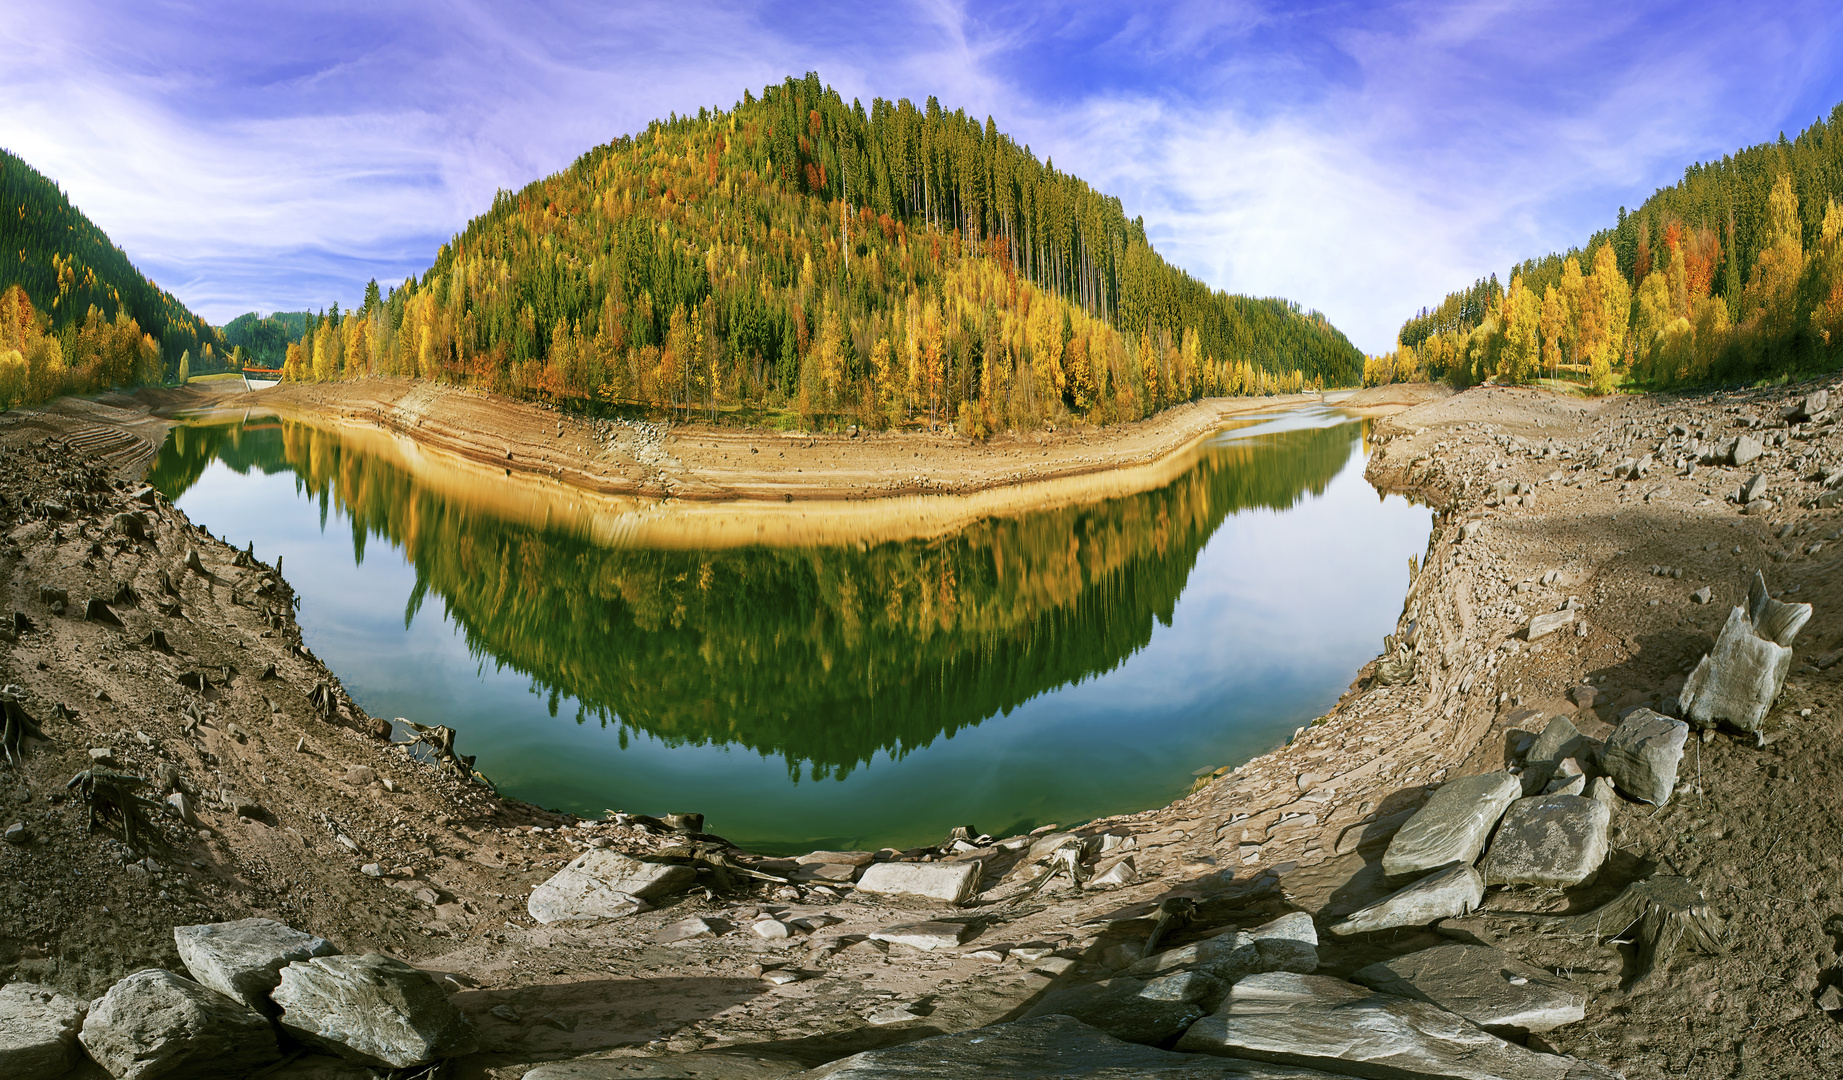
pixel 1362 159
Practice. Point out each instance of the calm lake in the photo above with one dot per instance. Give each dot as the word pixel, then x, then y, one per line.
pixel 1053 666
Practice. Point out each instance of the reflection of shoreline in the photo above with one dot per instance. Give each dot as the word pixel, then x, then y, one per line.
pixel 638 522
pixel 821 655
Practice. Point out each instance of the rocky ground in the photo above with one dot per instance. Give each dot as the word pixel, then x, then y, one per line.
pixel 305 813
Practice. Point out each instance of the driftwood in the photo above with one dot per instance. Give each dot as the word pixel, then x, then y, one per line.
pixel 1173 913
pixel 714 857
pixel 440 741
pixel 1066 859
pixel 111 797
pixel 15 725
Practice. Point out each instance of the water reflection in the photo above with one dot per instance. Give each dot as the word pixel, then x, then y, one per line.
pixel 831 661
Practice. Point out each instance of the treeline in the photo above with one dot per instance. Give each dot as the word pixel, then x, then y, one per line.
pixel 1733 274
pixel 75 315
pixel 799 253
pixel 263 342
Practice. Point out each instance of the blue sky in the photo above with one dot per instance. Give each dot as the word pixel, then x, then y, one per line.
pixel 1363 159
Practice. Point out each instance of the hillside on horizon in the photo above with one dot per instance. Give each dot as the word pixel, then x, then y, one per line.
pixel 1733 274
pixel 75 314
pixel 801 257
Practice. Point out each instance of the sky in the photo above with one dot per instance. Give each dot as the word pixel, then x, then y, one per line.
pixel 1361 159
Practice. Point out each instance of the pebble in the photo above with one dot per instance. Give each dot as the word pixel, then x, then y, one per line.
pixel 16 833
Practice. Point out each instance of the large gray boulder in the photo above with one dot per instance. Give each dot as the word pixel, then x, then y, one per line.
pixel 1444 894
pixel 1136 1010
pixel 373 1010
pixel 1556 841
pixel 1452 827
pixel 954 882
pixel 1288 943
pixel 1739 680
pixel 1489 987
pixel 244 959
pixel 604 884
pixel 155 1023
pixel 38 1031
pixel 1313 1021
pixel 1043 1048
pixel 1642 755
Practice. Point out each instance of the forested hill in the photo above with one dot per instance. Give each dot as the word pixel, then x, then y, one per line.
pixel 797 252
pixel 67 289
pixel 1735 273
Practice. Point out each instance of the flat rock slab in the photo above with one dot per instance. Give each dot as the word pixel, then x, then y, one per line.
pixel 1453 826
pixel 693 1066
pixel 373 1010
pixel 1227 957
pixel 1444 894
pixel 954 882
pixel 925 935
pixel 603 884
pixel 244 959
pixel 1556 841
pixel 1489 987
pixel 1317 1022
pixel 1044 1048
pixel 1642 755
pixel 38 1031
pixel 1738 681
pixel 155 1023
pixel 1136 1010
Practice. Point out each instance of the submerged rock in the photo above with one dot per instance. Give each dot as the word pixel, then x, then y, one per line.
pixel 1445 894
pixel 1489 987
pixel 244 959
pixel 1556 841
pixel 373 1010
pixel 1452 827
pixel 1313 1021
pixel 155 1023
pixel 38 1031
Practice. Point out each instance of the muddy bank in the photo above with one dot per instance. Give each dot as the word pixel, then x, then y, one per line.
pixel 1533 516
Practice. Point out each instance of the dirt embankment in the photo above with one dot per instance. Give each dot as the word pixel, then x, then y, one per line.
pixel 1302 828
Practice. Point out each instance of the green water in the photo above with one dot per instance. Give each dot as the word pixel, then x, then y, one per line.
pixel 1052 666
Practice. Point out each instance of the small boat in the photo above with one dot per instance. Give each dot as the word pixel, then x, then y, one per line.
pixel 255 378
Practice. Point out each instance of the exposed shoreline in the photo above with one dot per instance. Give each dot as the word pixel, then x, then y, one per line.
pixel 1301 828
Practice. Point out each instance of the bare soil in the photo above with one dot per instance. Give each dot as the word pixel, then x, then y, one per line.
pixel 1300 828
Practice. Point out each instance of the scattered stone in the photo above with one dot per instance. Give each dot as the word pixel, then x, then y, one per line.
pixel 1544 625
pixel 17 833
pixel 1452 826
pixel 839 858
pixel 38 1031
pixel 372 869
pixel 894 1014
pixel 155 1023
pixel 1746 448
pixel 1445 894
pixel 244 959
pixel 1753 488
pixel 183 809
pixel 1056 966
pixel 953 882
pixel 1136 1010
pixel 1642 754
pixel 1831 1000
pixel 1758 507
pixel 925 935
pixel 602 884
pixel 690 929
pixel 1702 595
pixel 1556 841
pixel 1313 1021
pixel 361 776
pixel 372 1009
pixel 771 929
pixel 1490 988
pixel 1121 871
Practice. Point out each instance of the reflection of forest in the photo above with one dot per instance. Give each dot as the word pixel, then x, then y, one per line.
pixel 823 656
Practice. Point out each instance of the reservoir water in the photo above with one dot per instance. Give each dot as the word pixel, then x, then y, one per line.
pixel 1053 665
